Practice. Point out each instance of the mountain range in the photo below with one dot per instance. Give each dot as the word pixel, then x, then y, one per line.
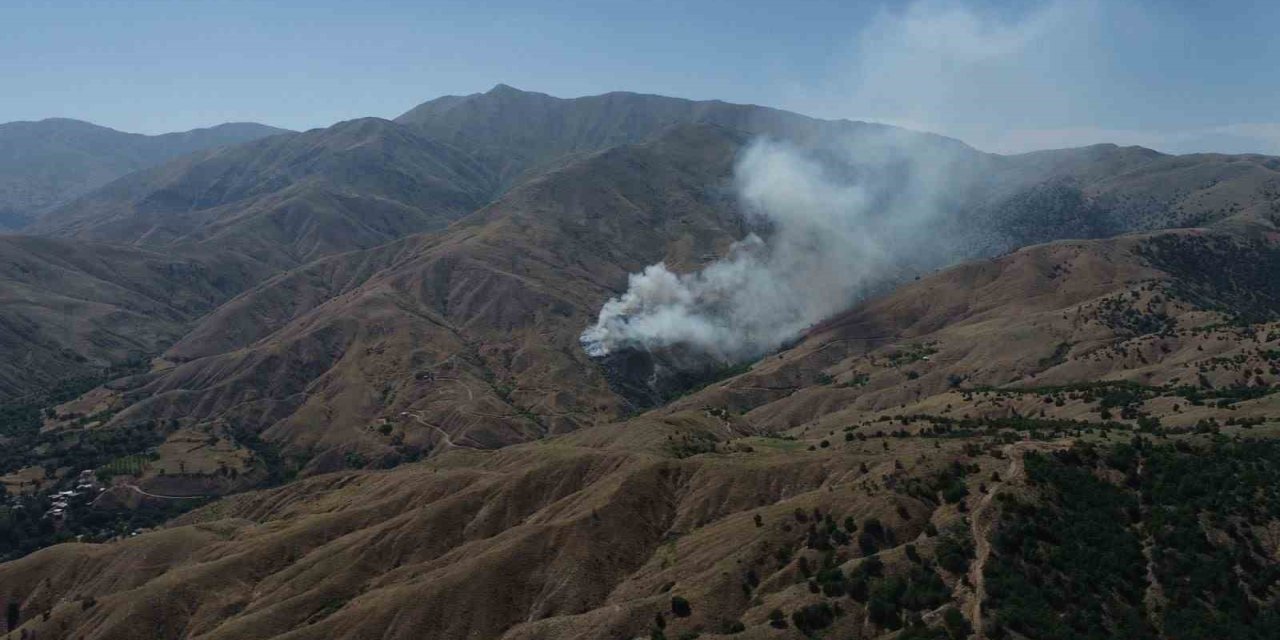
pixel 336 377
pixel 47 163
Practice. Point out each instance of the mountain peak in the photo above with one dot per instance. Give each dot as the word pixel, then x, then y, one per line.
pixel 502 88
pixel 69 121
pixel 56 125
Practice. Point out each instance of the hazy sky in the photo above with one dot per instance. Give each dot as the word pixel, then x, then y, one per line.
pixel 1002 75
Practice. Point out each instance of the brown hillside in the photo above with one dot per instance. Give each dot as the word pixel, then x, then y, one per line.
pixel 287 199
pixel 1018 446
pixel 48 163
pixel 592 534
pixel 274 204
pixel 468 338
pixel 553 540
pixel 470 334
pixel 1179 318
pixel 70 309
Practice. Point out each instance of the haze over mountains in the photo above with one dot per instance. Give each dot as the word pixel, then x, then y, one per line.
pixel 46 163
pixel 409 295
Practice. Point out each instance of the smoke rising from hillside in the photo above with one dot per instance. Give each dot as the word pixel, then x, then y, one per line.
pixel 835 222
pixel 832 224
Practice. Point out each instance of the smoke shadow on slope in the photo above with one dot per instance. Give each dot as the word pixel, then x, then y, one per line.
pixel 646 379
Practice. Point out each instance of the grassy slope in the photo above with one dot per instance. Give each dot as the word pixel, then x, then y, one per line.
pixel 591 534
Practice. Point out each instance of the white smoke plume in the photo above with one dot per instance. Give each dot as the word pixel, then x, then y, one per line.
pixel 833 223
pixel 837 222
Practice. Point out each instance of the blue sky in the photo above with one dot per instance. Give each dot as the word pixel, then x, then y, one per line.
pixel 1004 76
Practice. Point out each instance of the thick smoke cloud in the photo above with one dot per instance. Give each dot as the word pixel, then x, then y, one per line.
pixel 832 224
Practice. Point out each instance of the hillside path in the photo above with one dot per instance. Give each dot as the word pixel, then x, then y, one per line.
pixel 983 521
pixel 444 435
pixel 154 495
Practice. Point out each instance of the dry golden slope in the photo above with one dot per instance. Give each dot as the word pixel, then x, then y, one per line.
pixel 468 338
pixel 1165 311
pixel 470 334
pixel 72 309
pixel 547 540
pixel 589 534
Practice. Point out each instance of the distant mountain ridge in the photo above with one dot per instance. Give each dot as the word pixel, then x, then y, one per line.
pixel 286 203
pixel 47 162
pixel 364 182
pixel 520 134
pixel 286 199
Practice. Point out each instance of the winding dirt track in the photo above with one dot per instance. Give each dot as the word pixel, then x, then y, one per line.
pixel 444 435
pixel 983 521
pixel 154 495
